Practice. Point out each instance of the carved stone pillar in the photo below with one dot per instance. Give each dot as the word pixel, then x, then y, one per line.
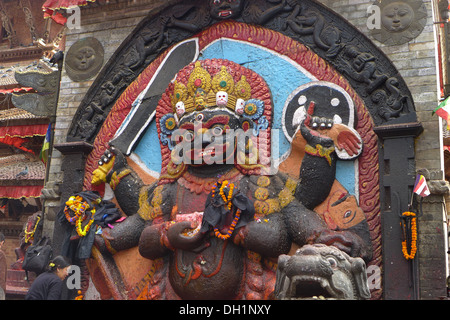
pixel 73 163
pixel 397 177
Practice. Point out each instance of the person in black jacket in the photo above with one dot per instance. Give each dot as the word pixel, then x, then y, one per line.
pixel 49 285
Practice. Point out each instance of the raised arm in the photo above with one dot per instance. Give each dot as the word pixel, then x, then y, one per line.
pixel 126 184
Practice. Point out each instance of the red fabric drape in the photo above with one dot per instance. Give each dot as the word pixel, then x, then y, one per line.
pixel 24 131
pixel 16 90
pixel 16 136
pixel 51 6
pixel 64 4
pixel 15 142
pixel 17 192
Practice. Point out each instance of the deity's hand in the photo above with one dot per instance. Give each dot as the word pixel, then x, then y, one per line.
pixel 185 235
pixel 292 3
pixel 111 159
pixel 315 130
pixel 346 139
pixel 105 164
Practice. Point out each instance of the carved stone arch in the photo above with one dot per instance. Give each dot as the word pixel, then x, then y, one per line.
pixel 334 46
pixel 366 67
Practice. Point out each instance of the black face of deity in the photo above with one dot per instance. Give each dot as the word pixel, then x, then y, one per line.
pixel 207 137
pixel 225 9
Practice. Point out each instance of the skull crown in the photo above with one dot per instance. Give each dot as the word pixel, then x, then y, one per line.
pixel 204 90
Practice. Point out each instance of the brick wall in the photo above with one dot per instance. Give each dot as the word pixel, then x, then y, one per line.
pixel 110 24
pixel 11 243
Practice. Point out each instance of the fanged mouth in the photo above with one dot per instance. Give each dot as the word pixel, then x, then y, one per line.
pixel 225 13
pixel 311 287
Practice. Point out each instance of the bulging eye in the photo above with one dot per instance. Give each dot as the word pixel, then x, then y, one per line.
pixel 332 261
pixel 200 117
pixel 347 214
pixel 217 131
pixel 188 136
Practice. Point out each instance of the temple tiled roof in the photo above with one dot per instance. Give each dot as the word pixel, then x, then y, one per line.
pixel 7 77
pixel 15 114
pixel 21 167
pixel 21 175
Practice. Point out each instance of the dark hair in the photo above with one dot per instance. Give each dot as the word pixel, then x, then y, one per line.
pixel 58 262
pixel 2 237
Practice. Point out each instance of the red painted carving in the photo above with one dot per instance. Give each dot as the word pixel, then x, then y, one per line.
pixel 368 161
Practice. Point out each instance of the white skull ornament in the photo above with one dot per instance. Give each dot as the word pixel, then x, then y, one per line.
pixel 240 106
pixel 221 98
pixel 180 108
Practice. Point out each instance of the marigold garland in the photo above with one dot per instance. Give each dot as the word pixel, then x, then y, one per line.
pixel 79 208
pixel 228 203
pixel 80 295
pixel 29 235
pixel 230 231
pixel 82 232
pixel 224 184
pixel 411 255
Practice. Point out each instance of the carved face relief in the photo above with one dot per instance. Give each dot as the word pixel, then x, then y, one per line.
pixel 200 99
pixel 397 16
pixel 343 211
pixel 84 59
pixel 399 21
pixel 225 9
pixel 221 99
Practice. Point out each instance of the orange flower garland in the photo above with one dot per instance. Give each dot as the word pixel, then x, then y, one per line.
pixel 80 295
pixel 228 203
pixel 230 193
pixel 413 237
pixel 82 232
pixel 79 208
pixel 219 235
pixel 30 235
